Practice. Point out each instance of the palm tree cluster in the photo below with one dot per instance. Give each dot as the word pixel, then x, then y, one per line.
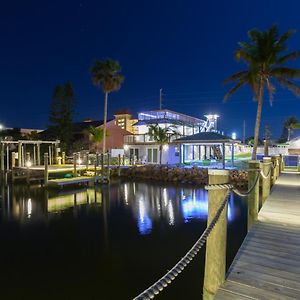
pixel 161 136
pixel 266 58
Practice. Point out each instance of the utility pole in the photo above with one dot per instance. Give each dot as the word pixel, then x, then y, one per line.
pixel 160 99
pixel 244 131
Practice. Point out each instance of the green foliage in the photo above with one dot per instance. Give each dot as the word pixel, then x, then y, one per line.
pixel 96 136
pixel 106 74
pixel 61 114
pixel 265 55
pixel 288 127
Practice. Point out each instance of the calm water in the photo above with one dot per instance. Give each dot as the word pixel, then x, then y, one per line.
pixel 104 243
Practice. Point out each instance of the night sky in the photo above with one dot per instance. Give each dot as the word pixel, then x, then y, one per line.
pixel 184 47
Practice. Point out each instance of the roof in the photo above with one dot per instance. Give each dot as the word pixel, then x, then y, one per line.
pixel 206 137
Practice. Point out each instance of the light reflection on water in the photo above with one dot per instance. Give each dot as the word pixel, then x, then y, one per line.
pixel 114 232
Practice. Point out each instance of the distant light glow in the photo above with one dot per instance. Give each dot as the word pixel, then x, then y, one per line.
pixel 233 136
pixel 165 147
pixel 1 127
pixel 79 161
pixel 28 164
pixel 126 147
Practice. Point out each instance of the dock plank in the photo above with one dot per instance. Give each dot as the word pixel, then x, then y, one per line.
pixel 267 266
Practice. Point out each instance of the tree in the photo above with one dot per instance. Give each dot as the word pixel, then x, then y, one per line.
pixel 161 136
pixel 265 57
pixel 96 135
pixel 106 74
pixel 61 114
pixel 289 126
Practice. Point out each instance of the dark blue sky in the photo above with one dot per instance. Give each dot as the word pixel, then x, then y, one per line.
pixel 184 47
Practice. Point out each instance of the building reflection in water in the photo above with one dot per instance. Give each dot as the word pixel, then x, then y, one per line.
pixel 150 204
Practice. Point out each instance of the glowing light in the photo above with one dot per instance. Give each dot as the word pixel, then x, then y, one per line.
pixel 233 136
pixel 126 147
pixel 29 207
pixel 165 147
pixel 1 127
pixel 144 222
pixel 79 161
pixel 28 164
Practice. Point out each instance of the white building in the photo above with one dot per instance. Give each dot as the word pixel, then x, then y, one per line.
pixel 141 147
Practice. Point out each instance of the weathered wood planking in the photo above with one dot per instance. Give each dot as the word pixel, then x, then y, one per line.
pixel 267 266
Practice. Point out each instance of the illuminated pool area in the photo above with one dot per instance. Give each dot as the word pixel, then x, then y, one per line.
pixel 105 243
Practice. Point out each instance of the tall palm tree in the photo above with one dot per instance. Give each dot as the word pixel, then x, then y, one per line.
pixel 96 135
pixel 265 57
pixel 289 126
pixel 161 136
pixel 107 75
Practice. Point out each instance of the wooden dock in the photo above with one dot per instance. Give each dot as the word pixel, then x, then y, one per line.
pixel 267 266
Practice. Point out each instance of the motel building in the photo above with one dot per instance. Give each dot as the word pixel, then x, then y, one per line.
pixel 197 139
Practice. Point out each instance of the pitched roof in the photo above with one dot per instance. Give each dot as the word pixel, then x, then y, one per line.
pixel 206 137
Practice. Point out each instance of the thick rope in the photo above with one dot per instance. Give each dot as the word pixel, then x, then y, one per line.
pixel 263 174
pixel 245 194
pixel 167 279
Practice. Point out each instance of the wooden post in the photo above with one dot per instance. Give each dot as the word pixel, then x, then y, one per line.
pixel 123 160
pixel 63 158
pixel 19 154
pixel 223 157
pixel 50 155
pixel 108 166
pixel 23 156
pixel 215 261
pixel 266 182
pixel 38 154
pixel 74 164
pixel 46 169
pixel 34 155
pixel 102 166
pixel 119 165
pixel 274 170
pixel 27 158
pixel 253 197
pixel 298 168
pixel 278 165
pixel 13 160
pixel 87 161
pixel 96 165
pixel 2 158
pixel 7 158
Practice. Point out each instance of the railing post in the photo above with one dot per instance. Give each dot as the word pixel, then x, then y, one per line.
pixel 75 164
pixel 274 170
pixel 96 165
pixel 46 169
pixel 102 166
pixel 215 261
pixel 119 165
pixel 266 182
pixel 63 158
pixel 253 197
pixel 278 165
pixel 108 167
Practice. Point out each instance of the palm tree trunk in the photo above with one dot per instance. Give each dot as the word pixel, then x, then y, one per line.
pixel 289 134
pixel 104 122
pixel 257 121
pixel 160 154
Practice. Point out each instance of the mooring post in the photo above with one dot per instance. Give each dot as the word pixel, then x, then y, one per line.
pixel 108 166
pixel 74 164
pixel 119 165
pixel 87 161
pixel 123 160
pixel 38 152
pixel 102 166
pixel 266 182
pixel 96 165
pixel 63 158
pixel 253 197
pixel 2 158
pixel 278 165
pixel 274 170
pixel 28 162
pixel 13 160
pixel 46 169
pixel 19 154
pixel 215 257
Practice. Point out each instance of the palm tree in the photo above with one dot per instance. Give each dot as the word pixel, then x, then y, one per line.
pixel 161 136
pixel 289 126
pixel 96 135
pixel 265 57
pixel 106 74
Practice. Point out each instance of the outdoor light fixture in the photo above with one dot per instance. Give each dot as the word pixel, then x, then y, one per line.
pixel 1 127
pixel 165 147
pixel 126 147
pixel 233 136
pixel 28 164
pixel 79 161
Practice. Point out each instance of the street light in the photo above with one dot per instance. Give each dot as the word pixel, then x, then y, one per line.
pixel 233 136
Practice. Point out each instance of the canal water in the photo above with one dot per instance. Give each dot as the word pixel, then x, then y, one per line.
pixel 111 242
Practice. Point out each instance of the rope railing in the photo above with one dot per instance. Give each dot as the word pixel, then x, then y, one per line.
pixel 170 276
pixel 167 279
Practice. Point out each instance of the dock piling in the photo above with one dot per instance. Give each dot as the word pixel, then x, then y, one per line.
pixel 46 169
pixel 266 182
pixel 215 261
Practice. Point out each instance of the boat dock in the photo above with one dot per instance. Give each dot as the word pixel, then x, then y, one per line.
pixel 267 266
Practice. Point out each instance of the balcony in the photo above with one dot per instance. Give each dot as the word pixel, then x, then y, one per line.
pixel 133 139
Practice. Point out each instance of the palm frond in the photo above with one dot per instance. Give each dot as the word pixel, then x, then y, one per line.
pixel 287 57
pixel 236 76
pixel 233 90
pixel 289 85
pixel 285 72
